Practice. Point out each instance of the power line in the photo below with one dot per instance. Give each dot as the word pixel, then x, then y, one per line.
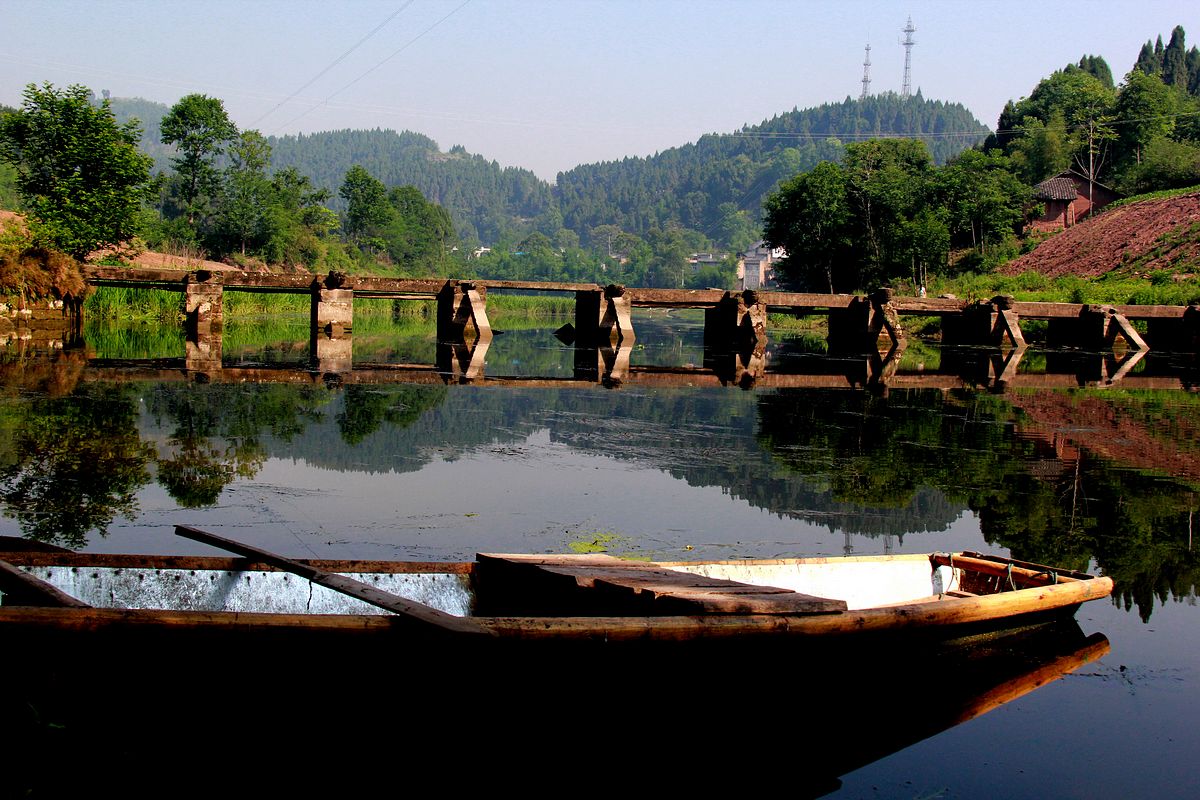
pixel 767 135
pixel 333 64
pixel 402 48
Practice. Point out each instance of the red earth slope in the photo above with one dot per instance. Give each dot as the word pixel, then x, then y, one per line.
pixel 1147 236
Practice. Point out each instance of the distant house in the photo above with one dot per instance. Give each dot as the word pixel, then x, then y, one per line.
pixel 756 267
pixel 1068 201
pixel 698 261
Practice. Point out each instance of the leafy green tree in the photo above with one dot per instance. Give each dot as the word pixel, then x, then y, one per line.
pixel 928 239
pixel 667 264
pixel 79 172
pixel 301 227
pixel 883 177
pixel 1092 119
pixel 1144 107
pixel 984 201
pixel 367 207
pixel 418 233
pixel 1149 60
pixel 10 198
pixel 808 216
pixel 1165 164
pixel 1174 63
pixel 736 228
pixel 199 127
pixel 1098 68
pixel 247 199
pixel 1041 149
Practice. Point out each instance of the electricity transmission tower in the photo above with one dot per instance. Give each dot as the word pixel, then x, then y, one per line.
pixel 866 81
pixel 909 30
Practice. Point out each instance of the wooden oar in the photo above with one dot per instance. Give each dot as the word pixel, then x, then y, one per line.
pixel 415 612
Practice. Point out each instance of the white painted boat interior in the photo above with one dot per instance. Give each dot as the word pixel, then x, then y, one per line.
pixel 865 582
pixel 861 582
pixel 268 592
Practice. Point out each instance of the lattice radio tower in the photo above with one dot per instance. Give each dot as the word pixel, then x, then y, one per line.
pixel 909 30
pixel 866 75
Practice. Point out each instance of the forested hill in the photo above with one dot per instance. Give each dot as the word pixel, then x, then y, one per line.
pixel 485 199
pixel 715 185
pixel 689 185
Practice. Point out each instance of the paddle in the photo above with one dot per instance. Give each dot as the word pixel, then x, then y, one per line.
pixel 422 615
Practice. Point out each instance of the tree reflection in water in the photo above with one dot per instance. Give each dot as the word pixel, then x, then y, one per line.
pixel 1037 489
pixel 218 432
pixel 76 462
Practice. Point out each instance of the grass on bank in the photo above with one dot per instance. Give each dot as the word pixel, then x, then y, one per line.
pixel 1162 288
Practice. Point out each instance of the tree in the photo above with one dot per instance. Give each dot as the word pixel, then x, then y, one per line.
pixel 668 258
pixel 1098 68
pixel 883 176
pixel 1165 164
pixel 1144 107
pixel 200 128
pixel 79 173
pixel 984 201
pixel 367 203
pixel 247 197
pixel 1041 149
pixel 1174 63
pixel 1148 61
pixel 928 240
pixel 808 218
pixel 1092 119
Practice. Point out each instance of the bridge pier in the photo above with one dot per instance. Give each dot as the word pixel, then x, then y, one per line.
pixel 462 361
pixel 1181 334
pixel 858 328
pixel 330 352
pixel 736 322
pixel 604 316
pixel 202 353
pixel 1096 328
pixel 332 306
pixel 988 322
pixel 462 312
pixel 203 301
pixel 607 364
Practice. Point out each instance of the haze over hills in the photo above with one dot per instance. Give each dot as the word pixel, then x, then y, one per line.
pixel 715 185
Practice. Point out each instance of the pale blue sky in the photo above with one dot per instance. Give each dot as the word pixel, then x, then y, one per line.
pixel 548 85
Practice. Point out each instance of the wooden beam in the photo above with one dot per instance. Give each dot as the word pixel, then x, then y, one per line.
pixel 417 613
pixel 1121 323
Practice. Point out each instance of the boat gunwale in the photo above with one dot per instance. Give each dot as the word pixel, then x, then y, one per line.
pixel 224 563
pixel 948 613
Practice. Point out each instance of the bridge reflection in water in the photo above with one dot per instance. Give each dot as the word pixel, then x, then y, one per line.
pixel 464 362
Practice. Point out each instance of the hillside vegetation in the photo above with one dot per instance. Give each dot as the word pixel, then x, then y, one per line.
pixel 715 186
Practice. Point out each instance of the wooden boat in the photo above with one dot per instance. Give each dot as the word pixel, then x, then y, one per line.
pixel 155 667
pixel 528 598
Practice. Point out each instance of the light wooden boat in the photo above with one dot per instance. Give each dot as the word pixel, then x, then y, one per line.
pixel 535 597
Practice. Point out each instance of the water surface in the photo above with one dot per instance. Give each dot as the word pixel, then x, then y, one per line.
pixel 1102 479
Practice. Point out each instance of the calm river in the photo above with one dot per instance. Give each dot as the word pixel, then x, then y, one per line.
pixel 108 444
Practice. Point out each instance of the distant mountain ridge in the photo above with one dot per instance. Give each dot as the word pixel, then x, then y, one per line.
pixel 701 185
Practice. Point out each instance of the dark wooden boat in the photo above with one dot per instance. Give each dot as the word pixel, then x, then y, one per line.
pixel 137 670
pixel 535 597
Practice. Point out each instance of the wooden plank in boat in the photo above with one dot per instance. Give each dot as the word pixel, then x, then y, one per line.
pixel 603 585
